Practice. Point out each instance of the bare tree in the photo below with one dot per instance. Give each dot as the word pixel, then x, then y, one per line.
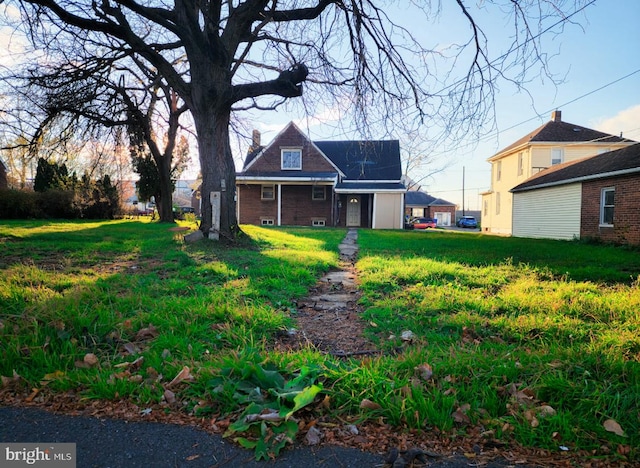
pixel 224 56
pixel 96 96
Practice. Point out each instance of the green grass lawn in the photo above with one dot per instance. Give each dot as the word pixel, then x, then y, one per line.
pixel 533 341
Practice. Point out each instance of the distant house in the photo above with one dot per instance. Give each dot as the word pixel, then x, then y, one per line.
pixel 421 204
pixel 596 197
pixel 4 184
pixel 555 142
pixel 298 182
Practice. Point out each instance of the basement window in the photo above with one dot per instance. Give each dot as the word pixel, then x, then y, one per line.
pixel 318 222
pixel 267 221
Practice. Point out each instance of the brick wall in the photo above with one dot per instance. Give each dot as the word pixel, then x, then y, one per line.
pixel 312 159
pixel 626 211
pixel 298 209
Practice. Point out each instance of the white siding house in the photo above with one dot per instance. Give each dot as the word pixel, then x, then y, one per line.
pixel 551 213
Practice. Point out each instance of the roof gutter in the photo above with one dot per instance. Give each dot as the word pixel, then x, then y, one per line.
pixel 603 175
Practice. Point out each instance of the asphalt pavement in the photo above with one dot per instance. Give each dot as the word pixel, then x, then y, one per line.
pixel 112 443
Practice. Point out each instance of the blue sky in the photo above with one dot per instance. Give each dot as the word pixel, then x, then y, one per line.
pixel 602 49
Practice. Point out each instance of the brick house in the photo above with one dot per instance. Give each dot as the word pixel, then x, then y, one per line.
pixel 597 197
pixel 421 204
pixel 553 143
pixel 298 182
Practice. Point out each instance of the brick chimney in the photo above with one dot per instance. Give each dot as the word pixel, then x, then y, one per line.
pixel 255 140
pixel 556 116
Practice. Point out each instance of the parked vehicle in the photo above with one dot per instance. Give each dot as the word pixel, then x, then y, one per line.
pixel 423 223
pixel 467 222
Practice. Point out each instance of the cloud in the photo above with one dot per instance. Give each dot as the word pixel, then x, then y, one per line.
pixel 626 121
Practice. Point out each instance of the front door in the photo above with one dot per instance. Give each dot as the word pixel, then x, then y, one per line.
pixel 353 211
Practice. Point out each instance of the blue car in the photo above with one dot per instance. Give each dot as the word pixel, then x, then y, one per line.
pixel 467 222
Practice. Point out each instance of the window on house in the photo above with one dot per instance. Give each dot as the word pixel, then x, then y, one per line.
pixel 318 222
pixel 291 159
pixel 318 192
pixel 497 203
pixel 607 199
pixel 498 170
pixel 268 192
pixel 557 156
pixel 520 163
pixel 267 221
pixel 486 207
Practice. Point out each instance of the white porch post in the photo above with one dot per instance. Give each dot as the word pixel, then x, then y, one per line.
pixel 279 204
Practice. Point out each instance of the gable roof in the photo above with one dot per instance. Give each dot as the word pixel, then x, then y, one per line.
pixel 557 131
pixel 363 159
pixel 415 198
pixel 614 163
pixel 355 160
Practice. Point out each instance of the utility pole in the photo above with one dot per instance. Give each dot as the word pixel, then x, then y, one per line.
pixel 463 191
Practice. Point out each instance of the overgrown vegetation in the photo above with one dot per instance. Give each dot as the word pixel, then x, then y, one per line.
pixel 60 195
pixel 528 340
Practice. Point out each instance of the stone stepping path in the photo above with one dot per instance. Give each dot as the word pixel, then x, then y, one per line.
pixel 329 318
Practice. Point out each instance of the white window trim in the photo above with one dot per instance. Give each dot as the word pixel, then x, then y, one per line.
pixel 521 163
pixel 290 150
pixel 267 222
pixel 273 192
pixel 603 192
pixel 561 151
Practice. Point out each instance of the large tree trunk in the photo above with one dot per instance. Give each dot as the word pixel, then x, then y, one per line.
pixel 165 204
pixel 218 169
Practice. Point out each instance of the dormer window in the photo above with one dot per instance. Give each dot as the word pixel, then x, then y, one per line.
pixel 291 159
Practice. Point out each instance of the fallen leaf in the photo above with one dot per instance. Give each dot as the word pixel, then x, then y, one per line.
pixel 368 404
pixel 90 359
pixel 610 425
pixel 407 335
pixel 184 374
pixel 169 396
pixel 313 436
pixel 147 333
pixel 460 415
pixel 546 410
pixel 130 348
pixel 192 457
pixel 425 371
pixel 34 393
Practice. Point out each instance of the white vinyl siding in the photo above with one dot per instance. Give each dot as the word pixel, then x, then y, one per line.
pixel 551 213
pixel 388 211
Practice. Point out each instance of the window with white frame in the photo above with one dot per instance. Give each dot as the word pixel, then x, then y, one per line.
pixel 486 207
pixel 557 156
pixel 607 202
pixel 291 159
pixel 498 170
pixel 318 192
pixel 497 203
pixel 268 192
pixel 520 163
pixel 267 221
